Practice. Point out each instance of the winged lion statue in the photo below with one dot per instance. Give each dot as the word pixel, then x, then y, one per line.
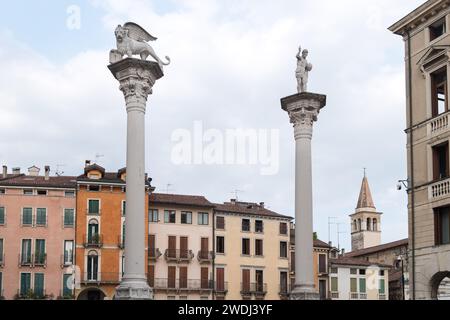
pixel 132 39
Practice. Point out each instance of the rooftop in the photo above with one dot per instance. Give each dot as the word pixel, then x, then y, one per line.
pixel 22 180
pixel 354 262
pixel 248 208
pixel 371 250
pixel 182 200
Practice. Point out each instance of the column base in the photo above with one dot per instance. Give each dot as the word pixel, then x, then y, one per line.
pixel 135 289
pixel 304 293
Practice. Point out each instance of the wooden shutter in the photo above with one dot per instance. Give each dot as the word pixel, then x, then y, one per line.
pixel 183 277
pixel 172 246
pixel 151 275
pixel 204 275
pixel 246 280
pixel 183 247
pixel 171 274
pixel 204 248
pixel 436 163
pixel 220 278
pixel 322 263
pixel 151 246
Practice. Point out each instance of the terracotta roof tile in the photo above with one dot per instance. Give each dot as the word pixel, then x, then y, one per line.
pixel 383 247
pixel 248 209
pixel 38 181
pixel 183 200
pixel 344 261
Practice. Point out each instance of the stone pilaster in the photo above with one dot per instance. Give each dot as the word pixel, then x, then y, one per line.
pixel 136 78
pixel 303 110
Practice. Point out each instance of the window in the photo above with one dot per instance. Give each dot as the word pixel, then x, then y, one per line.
pixel 322 263
pixel 259 279
pixel 67 292
pixel 440 161
pixel 94 207
pixel 25 283
pixel 1 282
pixel 284 282
pixel 39 285
pixel 439 93
pixel 186 217
pixel 220 245
pixel 259 226
pixel 353 271
pixel 169 216
pixel 69 194
pixel 27 216
pixel 353 285
pixel 93 232
pixel 28 192
pixel 283 249
pixel 153 215
pixel 369 224
pixel 68 252
pixel 382 288
pixel 437 29
pixel 246 225
pixel 334 270
pixel 94 188
pixel 334 284
pixel 259 248
pixel 362 272
pixel 203 218
pixel 220 223
pixel 92 266
pixel 2 191
pixel 69 218
pixel 42 192
pixel 39 252
pixel 2 215
pixel 124 206
pixel 381 273
pixel 25 257
pixel 374 225
pixel 41 217
pixel 442 225
pixel 1 254
pixel 246 247
pixel 283 228
pixel 362 285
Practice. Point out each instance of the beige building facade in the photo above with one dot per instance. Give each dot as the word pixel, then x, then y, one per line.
pixel 427 47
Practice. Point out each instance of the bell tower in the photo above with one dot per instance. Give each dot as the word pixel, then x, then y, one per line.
pixel 366 221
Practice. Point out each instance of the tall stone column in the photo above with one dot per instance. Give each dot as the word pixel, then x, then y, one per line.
pixel 136 78
pixel 303 109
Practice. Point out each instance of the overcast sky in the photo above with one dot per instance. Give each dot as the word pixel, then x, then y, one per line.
pixel 232 61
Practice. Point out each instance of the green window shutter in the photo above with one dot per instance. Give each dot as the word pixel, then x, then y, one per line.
pixel 166 216
pixel 1 283
pixel 26 250
pixel 94 206
pixel 25 283
pixel 27 216
pixel 40 251
pixel 362 285
pixel 334 284
pixel 69 217
pixel 2 215
pixel 124 205
pixel 382 289
pixel 41 217
pixel 353 285
pixel 1 250
pixel 39 284
pixel 67 292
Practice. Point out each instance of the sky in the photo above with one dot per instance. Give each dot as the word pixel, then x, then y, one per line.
pixel 232 62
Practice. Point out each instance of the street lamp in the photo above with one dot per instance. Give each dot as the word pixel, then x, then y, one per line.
pixel 400 260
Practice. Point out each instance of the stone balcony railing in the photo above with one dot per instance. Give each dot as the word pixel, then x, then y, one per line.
pixel 439 124
pixel 439 189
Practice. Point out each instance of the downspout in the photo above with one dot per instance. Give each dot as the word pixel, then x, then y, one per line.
pixel 411 187
pixel 214 254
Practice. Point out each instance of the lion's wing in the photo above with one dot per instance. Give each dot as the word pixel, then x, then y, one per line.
pixel 138 33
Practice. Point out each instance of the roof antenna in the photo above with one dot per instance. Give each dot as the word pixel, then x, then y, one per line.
pixel 365 169
pixel 168 188
pixel 98 156
pixel 236 192
pixel 58 172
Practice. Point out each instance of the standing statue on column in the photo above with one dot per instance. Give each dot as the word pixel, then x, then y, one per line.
pixel 303 68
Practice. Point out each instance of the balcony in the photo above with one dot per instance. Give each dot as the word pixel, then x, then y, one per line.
pixel 439 124
pixel 205 256
pixel 354 296
pixel 94 213
pixel 284 291
pixel 257 289
pixel 154 254
pixel 439 189
pixel 334 295
pixel 363 296
pixel 221 288
pixel 66 260
pixel 97 278
pixel 93 241
pixel 183 285
pixel 40 260
pixel 25 260
pixel 31 295
pixel 173 255
pixel 381 296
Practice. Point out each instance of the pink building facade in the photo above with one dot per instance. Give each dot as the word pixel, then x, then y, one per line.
pixel 37 234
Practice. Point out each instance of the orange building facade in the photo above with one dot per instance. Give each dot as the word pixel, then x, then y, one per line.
pixel 100 232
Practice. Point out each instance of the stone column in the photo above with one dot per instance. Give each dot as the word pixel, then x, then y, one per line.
pixel 303 109
pixel 136 78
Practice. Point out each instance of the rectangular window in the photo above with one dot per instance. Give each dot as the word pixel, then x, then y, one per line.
pixel 437 29
pixel 334 270
pixel 25 258
pixel 27 216
pixel 39 253
pixel 153 215
pixel 439 92
pixel 442 225
pixel 124 206
pixel 353 271
pixel 382 288
pixel 39 285
pixel 382 273
pixel 25 283
pixel 283 249
pixel 94 188
pixel 362 285
pixel 2 191
pixel 2 216
pixel 1 283
pixel 68 252
pixel 42 192
pixel 28 192
pixel 220 223
pixel 69 218
pixel 259 248
pixel 220 245
pixel 283 228
pixel 94 207
pixel 440 162
pixel 259 226
pixel 203 218
pixel 69 194
pixel 41 217
pixel 353 285
pixel 1 254
pixel 246 247
pixel 67 292
pixel 322 263
pixel 186 217
pixel 169 216
pixel 362 272
pixel 334 284
pixel 246 225
pixel 284 282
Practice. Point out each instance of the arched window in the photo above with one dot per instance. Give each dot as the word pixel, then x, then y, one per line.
pixel 355 225
pixel 92 266
pixel 93 232
pixel 375 225
pixel 369 225
pixel 359 224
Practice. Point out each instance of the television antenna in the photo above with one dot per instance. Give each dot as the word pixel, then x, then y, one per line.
pixel 98 156
pixel 168 188
pixel 236 194
pixel 58 172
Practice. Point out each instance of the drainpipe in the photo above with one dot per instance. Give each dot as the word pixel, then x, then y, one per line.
pixel 214 253
pixel 411 188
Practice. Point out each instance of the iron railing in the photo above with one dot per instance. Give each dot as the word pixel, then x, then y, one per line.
pixel 40 260
pixel 93 241
pixel 179 255
pixel 205 256
pixel 183 284
pixel 25 260
pixel 253 288
pixel 154 254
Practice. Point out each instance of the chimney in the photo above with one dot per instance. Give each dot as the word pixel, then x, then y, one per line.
pixel 5 171
pixel 343 252
pixel 47 173
pixel 87 163
pixel 262 204
pixel 33 171
pixel 16 170
pixel 233 201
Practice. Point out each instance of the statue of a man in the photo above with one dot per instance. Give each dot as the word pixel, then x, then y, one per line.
pixel 303 68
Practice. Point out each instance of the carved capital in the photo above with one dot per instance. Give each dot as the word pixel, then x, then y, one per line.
pixel 136 90
pixel 303 121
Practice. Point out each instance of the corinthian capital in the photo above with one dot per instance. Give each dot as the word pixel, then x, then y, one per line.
pixel 136 90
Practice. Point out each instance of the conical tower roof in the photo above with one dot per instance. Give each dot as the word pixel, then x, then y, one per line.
pixel 365 197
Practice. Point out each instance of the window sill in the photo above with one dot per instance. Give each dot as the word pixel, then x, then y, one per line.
pixel 246 256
